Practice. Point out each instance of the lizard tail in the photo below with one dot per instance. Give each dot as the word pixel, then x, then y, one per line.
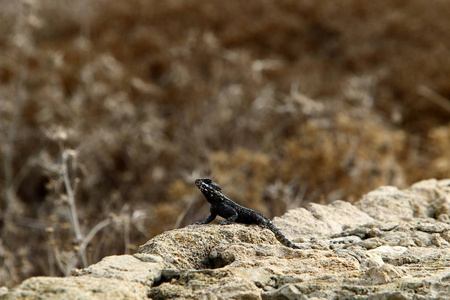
pixel 280 237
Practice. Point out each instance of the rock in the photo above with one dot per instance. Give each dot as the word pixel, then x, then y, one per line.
pixel 421 200
pixel 390 204
pixel 381 274
pixel 3 290
pixel 83 287
pixel 145 269
pixel 321 220
pixel 190 247
pixel 393 244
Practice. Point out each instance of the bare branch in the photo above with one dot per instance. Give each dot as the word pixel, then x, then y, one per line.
pixel 434 97
pixel 71 200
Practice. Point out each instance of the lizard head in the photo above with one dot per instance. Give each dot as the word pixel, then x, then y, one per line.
pixel 209 188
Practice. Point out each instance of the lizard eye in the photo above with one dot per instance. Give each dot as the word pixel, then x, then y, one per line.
pixel 216 186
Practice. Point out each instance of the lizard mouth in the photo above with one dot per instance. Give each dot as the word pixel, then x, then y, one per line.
pixel 201 185
pixel 204 186
pixel 207 185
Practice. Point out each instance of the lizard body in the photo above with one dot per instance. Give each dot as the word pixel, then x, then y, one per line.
pixel 233 212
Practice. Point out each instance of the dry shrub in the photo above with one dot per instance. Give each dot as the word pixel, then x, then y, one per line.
pixel 282 102
pixel 439 143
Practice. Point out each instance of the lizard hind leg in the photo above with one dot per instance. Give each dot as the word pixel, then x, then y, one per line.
pixel 263 223
pixel 229 220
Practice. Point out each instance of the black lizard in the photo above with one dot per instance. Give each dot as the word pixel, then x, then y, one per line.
pixel 233 212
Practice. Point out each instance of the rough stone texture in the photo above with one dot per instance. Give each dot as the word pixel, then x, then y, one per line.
pixel 393 244
pixel 142 268
pixel 320 220
pixel 189 247
pixel 83 287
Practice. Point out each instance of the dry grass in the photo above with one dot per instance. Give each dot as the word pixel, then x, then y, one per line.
pixel 110 109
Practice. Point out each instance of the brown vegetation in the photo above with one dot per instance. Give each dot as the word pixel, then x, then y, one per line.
pixel 110 109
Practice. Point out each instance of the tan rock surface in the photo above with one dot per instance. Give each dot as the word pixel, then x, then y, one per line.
pixel 393 244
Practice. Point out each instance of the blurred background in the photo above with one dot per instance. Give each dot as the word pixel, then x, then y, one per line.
pixel 110 109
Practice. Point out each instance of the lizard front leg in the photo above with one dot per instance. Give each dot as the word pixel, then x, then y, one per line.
pixel 209 219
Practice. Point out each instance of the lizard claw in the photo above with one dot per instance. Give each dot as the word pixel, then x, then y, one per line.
pixel 224 222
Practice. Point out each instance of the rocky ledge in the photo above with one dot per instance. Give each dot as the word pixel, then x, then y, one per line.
pixel 392 244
